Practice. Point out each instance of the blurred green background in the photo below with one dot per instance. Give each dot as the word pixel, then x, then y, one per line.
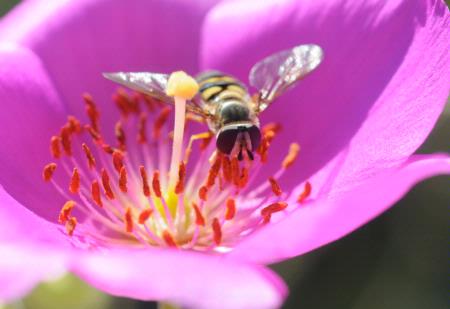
pixel 399 260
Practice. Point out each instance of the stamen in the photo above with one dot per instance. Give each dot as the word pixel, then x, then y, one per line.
pixel 128 220
pixel 217 230
pixel 74 186
pixel 272 208
pixel 90 158
pixel 142 136
pixel 71 224
pixel 226 168
pixel 179 188
pixel 65 212
pixel 276 189
pixel 274 127
pixel 48 171
pixel 231 209
pixel 145 185
pixel 235 174
pixel 120 135
pixel 94 134
pixel 66 140
pixel 95 191
pixel 199 219
pixel 74 124
pixel 243 180
pixel 306 192
pixel 122 103
pixel 160 121
pixel 144 215
pixel 203 193
pixel 214 171
pixel 156 184
pixel 294 149
pixel 123 180
pixel 55 149
pixel 91 111
pixel 106 185
pixel 169 239
pixel 117 157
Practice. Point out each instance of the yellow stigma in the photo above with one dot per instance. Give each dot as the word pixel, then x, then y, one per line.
pixel 181 85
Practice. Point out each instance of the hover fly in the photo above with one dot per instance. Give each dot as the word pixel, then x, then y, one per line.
pixel 225 103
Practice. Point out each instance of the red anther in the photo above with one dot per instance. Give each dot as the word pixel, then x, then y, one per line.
pixel 128 218
pixel 71 224
pixel 276 189
pixel 199 219
pixel 95 192
pixel 205 141
pixel 74 124
pixel 231 209
pixel 203 193
pixel 169 239
pixel 142 136
pixel 93 133
pixel 235 173
pixel 134 103
pixel 91 111
pixel 117 158
pixel 226 168
pixel 120 135
pixel 217 230
pixel 160 121
pixel 274 127
pixel 266 218
pixel 214 171
pixel 144 215
pixel 148 101
pixel 156 184
pixel 145 185
pixel 55 148
pixel 74 185
pixel 243 178
pixel 121 103
pixel 263 149
pixel 272 208
pixel 65 212
pixel 90 158
pixel 306 192
pixel 48 171
pixel 106 185
pixel 66 140
pixel 179 188
pixel 107 148
pixel 294 149
pixel 123 180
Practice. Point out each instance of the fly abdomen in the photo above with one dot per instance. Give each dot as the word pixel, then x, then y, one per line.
pixel 215 85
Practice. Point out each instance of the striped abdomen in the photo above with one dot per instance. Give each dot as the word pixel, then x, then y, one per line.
pixel 218 87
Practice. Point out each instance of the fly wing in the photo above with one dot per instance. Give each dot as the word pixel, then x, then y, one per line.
pixel 277 73
pixel 152 84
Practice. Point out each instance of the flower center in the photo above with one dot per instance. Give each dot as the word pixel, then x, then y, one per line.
pixel 128 193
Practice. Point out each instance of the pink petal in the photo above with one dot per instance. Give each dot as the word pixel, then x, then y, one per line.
pixel 383 83
pixel 78 40
pixel 19 225
pixel 23 267
pixel 31 113
pixel 193 280
pixel 325 220
pixel 30 249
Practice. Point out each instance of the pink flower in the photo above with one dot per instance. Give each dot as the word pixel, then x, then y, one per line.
pixel 359 118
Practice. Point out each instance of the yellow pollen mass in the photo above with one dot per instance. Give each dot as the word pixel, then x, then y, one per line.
pixel 181 85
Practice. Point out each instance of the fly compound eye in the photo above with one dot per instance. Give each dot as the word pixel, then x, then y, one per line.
pixel 226 139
